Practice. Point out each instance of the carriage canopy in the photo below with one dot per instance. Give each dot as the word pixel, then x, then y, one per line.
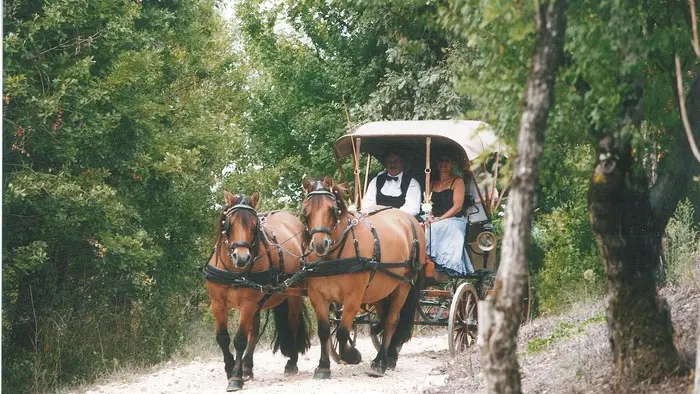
pixel 466 138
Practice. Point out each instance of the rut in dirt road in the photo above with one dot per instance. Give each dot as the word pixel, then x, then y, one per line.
pixel 418 369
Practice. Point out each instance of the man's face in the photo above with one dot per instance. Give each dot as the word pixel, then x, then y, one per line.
pixel 394 164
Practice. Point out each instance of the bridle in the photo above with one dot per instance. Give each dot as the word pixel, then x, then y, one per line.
pixel 252 245
pixel 335 212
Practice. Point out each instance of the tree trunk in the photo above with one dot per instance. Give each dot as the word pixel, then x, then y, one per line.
pixel 499 314
pixel 628 224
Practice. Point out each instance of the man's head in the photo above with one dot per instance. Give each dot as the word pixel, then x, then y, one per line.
pixel 393 163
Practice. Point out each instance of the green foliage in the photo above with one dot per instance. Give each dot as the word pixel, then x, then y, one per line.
pixel 561 332
pixel 314 60
pixel 570 266
pixel 117 119
pixel 682 250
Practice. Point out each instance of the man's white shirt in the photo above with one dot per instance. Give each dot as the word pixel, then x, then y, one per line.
pixel 393 189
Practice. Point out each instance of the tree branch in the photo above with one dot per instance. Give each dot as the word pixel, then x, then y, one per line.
pixel 676 169
pixel 696 43
pixel 681 105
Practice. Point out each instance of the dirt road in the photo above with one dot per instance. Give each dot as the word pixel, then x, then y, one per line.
pixel 418 369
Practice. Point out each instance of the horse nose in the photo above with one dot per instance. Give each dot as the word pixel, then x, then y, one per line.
pixel 321 248
pixel 242 259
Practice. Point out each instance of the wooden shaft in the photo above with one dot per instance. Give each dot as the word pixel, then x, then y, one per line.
pixel 428 193
pixel 356 170
pixel 369 162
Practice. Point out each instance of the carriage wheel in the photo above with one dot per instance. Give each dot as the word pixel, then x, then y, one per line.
pixel 334 320
pixel 433 309
pixel 486 284
pixel 376 337
pixel 462 329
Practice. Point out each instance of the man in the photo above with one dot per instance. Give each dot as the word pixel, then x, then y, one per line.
pixel 393 188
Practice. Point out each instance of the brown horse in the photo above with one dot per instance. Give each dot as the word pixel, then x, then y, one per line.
pixel 254 252
pixel 372 258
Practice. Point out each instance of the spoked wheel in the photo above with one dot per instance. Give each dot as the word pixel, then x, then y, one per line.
pixel 462 329
pixel 334 316
pixel 376 336
pixel 434 309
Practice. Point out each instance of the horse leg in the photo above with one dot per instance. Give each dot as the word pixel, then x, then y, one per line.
pixel 250 349
pixel 381 362
pixel 295 319
pixel 222 338
pixel 323 371
pixel 349 353
pixel 240 342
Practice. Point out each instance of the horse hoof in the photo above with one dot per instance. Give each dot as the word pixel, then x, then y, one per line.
pixel 391 363
pixel 322 373
pixel 234 384
pixel 248 375
pixel 352 356
pixel 290 370
pixel 375 372
pixel 376 369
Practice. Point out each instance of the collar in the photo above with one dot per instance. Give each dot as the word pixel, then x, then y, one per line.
pixel 399 175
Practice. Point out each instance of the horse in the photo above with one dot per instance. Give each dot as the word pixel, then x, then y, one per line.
pixel 361 259
pixel 253 252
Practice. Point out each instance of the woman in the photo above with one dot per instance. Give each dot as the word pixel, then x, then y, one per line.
pixel 447 222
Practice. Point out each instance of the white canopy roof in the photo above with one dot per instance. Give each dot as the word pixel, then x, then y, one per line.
pixel 473 137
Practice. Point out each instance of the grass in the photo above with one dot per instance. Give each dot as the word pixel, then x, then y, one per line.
pixel 561 332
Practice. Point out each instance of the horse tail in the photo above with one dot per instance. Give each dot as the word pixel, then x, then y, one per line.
pixel 404 329
pixel 303 342
pixel 285 338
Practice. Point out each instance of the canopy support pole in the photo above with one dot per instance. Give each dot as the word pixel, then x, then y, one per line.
pixel 356 170
pixel 369 162
pixel 428 194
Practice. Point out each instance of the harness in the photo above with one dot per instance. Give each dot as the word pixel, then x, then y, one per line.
pixel 259 280
pixel 271 281
pixel 358 263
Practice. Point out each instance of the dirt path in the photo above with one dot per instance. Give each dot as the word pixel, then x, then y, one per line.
pixel 419 368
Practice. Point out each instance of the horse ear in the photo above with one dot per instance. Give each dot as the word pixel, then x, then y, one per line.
pixel 306 184
pixel 254 199
pixel 343 188
pixel 229 197
pixel 328 182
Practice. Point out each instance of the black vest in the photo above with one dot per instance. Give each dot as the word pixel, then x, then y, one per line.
pixel 389 201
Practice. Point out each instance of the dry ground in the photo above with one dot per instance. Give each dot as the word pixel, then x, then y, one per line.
pixel 581 362
pixel 577 361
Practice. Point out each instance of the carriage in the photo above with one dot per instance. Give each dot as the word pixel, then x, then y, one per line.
pixel 271 260
pixel 445 301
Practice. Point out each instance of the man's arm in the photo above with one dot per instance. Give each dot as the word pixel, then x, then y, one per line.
pixel 370 198
pixel 412 204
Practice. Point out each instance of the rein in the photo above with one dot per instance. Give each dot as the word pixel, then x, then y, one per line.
pixel 341 266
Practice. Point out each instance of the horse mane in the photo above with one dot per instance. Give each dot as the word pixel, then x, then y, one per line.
pixel 339 190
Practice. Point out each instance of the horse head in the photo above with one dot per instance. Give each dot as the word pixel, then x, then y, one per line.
pixel 323 207
pixel 239 228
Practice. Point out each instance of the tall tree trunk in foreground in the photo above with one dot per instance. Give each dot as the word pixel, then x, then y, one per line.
pixel 628 220
pixel 499 315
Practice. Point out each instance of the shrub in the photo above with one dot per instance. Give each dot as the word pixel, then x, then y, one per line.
pixel 682 247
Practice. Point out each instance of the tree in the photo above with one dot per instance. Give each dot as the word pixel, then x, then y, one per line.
pixel 384 60
pixel 117 119
pixel 499 314
pixel 628 215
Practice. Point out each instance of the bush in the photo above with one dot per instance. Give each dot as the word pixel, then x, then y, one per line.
pixel 682 247
pixel 570 267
